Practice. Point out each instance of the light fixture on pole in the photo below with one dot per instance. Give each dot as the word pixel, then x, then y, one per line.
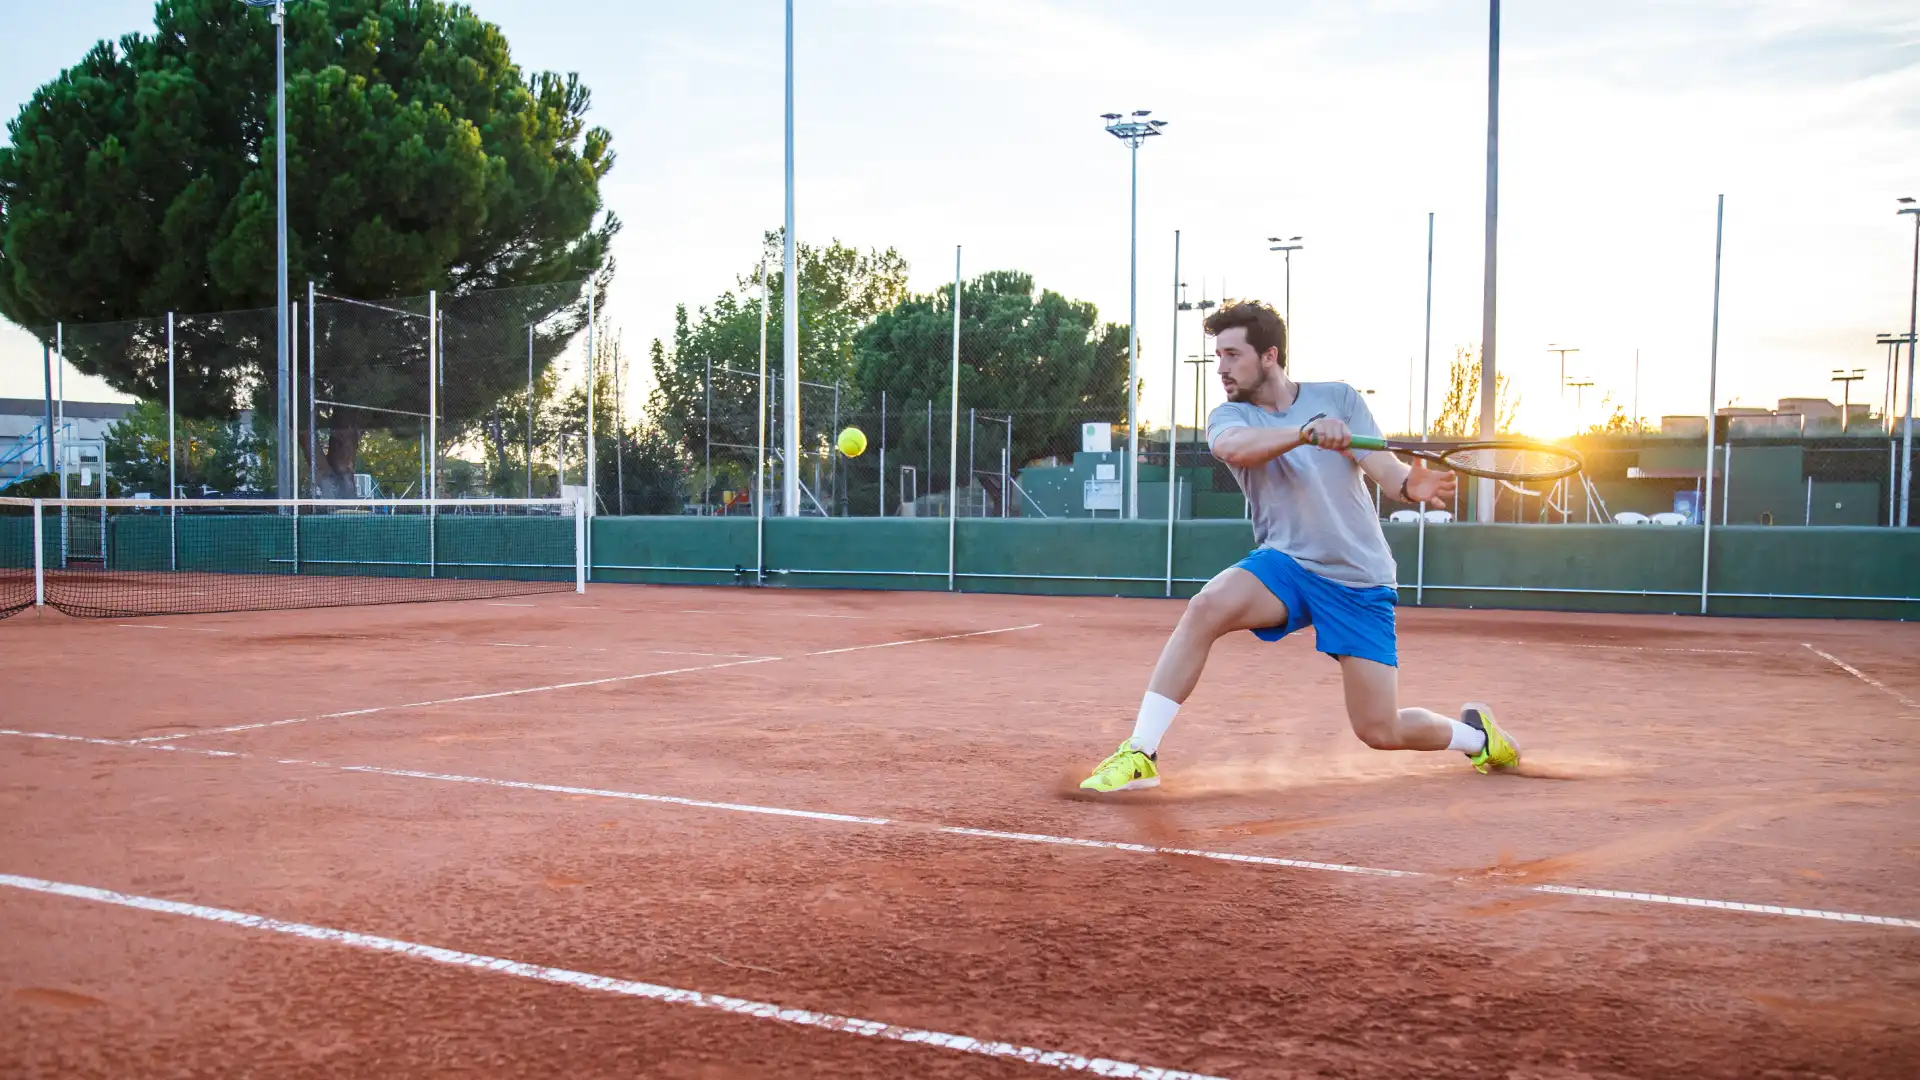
pixel 1846 379
pixel 1202 306
pixel 1907 206
pixel 1892 389
pixel 283 375
pixel 1133 130
pixel 1289 245
pixel 1563 350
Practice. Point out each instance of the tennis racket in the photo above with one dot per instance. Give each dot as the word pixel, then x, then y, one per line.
pixel 1500 459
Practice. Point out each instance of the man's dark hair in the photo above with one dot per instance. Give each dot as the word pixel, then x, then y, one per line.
pixel 1265 329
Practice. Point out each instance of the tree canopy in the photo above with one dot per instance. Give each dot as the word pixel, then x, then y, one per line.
pixel 419 156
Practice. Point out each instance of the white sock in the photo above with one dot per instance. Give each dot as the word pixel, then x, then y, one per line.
pixel 1156 716
pixel 1466 738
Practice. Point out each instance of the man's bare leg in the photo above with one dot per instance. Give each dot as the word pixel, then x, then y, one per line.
pixel 1234 600
pixel 1373 707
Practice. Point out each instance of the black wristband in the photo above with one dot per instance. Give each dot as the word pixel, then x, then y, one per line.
pixel 1404 497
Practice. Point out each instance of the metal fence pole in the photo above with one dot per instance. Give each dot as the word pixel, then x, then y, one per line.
pixel 293 402
pixel 593 491
pixel 529 410
pixel 760 457
pixel 173 481
pixel 1713 389
pixel 883 454
pixel 580 545
pixel 433 430
pixel 313 394
pixel 1893 465
pixel 1173 413
pixel 953 429
pixel 972 422
pixel 1809 518
pixel 1726 475
pixel 706 450
pixel 834 437
pixel 619 437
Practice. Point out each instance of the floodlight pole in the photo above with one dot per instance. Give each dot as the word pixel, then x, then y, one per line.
pixel 1489 382
pixel 790 324
pixel 1913 311
pixel 1133 131
pixel 283 377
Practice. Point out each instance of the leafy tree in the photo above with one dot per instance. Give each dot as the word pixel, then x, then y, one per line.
pixel 1617 421
pixel 420 157
pixel 841 290
pixel 1460 411
pixel 1040 358
pixel 221 456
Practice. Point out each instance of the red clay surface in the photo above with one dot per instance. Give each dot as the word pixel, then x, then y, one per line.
pixel 1718 759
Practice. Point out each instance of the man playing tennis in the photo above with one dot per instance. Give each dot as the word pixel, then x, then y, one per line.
pixel 1322 559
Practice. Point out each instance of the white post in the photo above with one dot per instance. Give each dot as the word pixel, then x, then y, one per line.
pixel 953 428
pixel 883 454
pixel 790 323
pixel 1426 391
pixel 1133 341
pixel 313 394
pixel 173 480
pixel 39 558
pixel 1173 413
pixel 579 545
pixel 1713 390
pixel 760 457
pixel 1489 381
pixel 433 432
pixel 293 396
pixel 593 493
pixel 433 394
pixel 1809 519
pixel 1913 321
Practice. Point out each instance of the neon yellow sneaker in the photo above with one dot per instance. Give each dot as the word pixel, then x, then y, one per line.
pixel 1128 769
pixel 1501 752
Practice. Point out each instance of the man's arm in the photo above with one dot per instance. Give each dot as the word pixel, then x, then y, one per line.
pixel 1409 483
pixel 1246 447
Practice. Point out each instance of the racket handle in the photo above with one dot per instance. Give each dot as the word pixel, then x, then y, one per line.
pixel 1368 442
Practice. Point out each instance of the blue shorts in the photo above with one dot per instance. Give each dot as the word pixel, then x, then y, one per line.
pixel 1348 621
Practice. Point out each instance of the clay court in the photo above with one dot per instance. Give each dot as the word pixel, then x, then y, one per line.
pixel 745 832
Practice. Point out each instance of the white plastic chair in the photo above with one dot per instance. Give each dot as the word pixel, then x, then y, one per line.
pixel 1628 517
pixel 1439 517
pixel 1669 518
pixel 1404 517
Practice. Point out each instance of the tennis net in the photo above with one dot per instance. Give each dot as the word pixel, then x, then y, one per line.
pixel 111 558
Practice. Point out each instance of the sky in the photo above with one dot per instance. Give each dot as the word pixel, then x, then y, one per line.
pixel 926 124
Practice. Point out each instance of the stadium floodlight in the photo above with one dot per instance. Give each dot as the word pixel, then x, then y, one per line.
pixel 1133 131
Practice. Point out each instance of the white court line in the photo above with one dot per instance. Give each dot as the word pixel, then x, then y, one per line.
pixel 449 701
pixel 1865 678
pixel 162 626
pixel 559 686
pixel 994 834
pixel 1626 648
pixel 923 640
pixel 496 603
pixel 769 611
pixel 580 980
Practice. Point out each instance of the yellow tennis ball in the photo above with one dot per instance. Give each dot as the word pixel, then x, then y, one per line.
pixel 853 442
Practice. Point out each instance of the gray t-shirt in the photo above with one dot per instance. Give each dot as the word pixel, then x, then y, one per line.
pixel 1309 503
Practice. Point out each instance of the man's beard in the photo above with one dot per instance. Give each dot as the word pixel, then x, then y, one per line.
pixel 1244 391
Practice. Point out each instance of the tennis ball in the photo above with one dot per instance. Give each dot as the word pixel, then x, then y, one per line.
pixel 853 442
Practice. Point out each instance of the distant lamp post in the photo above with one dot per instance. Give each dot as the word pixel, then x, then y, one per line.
pixel 1202 306
pixel 1289 245
pixel 1891 396
pixel 1846 379
pixel 1563 350
pixel 1907 206
pixel 1133 130
pixel 1579 400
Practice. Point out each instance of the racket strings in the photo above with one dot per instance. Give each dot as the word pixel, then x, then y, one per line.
pixel 1520 463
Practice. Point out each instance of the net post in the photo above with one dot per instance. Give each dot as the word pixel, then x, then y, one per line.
pixel 39 557
pixel 579 546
